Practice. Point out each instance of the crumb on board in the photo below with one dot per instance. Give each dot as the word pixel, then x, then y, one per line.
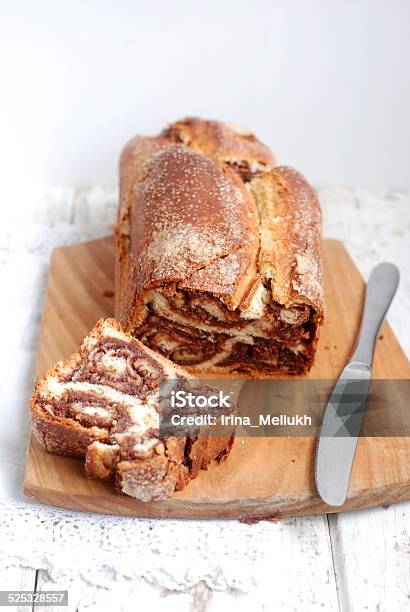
pixel 252 521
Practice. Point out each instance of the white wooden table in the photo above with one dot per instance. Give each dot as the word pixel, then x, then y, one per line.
pixel 356 561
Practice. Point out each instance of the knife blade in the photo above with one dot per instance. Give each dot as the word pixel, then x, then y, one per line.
pixel 343 416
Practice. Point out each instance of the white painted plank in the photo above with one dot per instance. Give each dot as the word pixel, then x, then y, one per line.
pixel 124 596
pixel 372 558
pixel 297 574
pixel 15 578
pixel 79 592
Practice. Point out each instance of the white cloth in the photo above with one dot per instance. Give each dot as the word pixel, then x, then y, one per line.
pixel 175 554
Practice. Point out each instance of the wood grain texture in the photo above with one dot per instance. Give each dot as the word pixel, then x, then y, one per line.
pixel 264 477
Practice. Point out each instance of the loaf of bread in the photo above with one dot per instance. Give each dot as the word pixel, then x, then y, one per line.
pixel 103 404
pixel 218 252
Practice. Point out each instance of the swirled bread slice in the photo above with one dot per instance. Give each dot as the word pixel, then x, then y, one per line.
pixel 103 403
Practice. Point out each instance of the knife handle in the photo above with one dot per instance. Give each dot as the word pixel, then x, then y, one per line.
pixel 380 290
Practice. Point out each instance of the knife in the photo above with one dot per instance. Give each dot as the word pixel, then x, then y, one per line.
pixel 344 412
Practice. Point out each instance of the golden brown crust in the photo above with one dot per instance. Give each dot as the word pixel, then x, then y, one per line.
pixel 174 461
pixel 226 142
pixel 57 434
pixel 100 460
pixel 159 476
pixel 195 221
pixel 61 436
pixel 290 235
pixel 211 144
pixel 132 158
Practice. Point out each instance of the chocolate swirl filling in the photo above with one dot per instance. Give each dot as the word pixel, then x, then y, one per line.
pixel 117 364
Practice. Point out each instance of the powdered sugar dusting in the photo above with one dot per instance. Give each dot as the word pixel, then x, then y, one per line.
pixel 221 276
pixel 172 246
pixel 229 269
pixel 188 213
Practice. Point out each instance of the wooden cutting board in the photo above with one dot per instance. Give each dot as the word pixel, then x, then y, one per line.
pixel 263 477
